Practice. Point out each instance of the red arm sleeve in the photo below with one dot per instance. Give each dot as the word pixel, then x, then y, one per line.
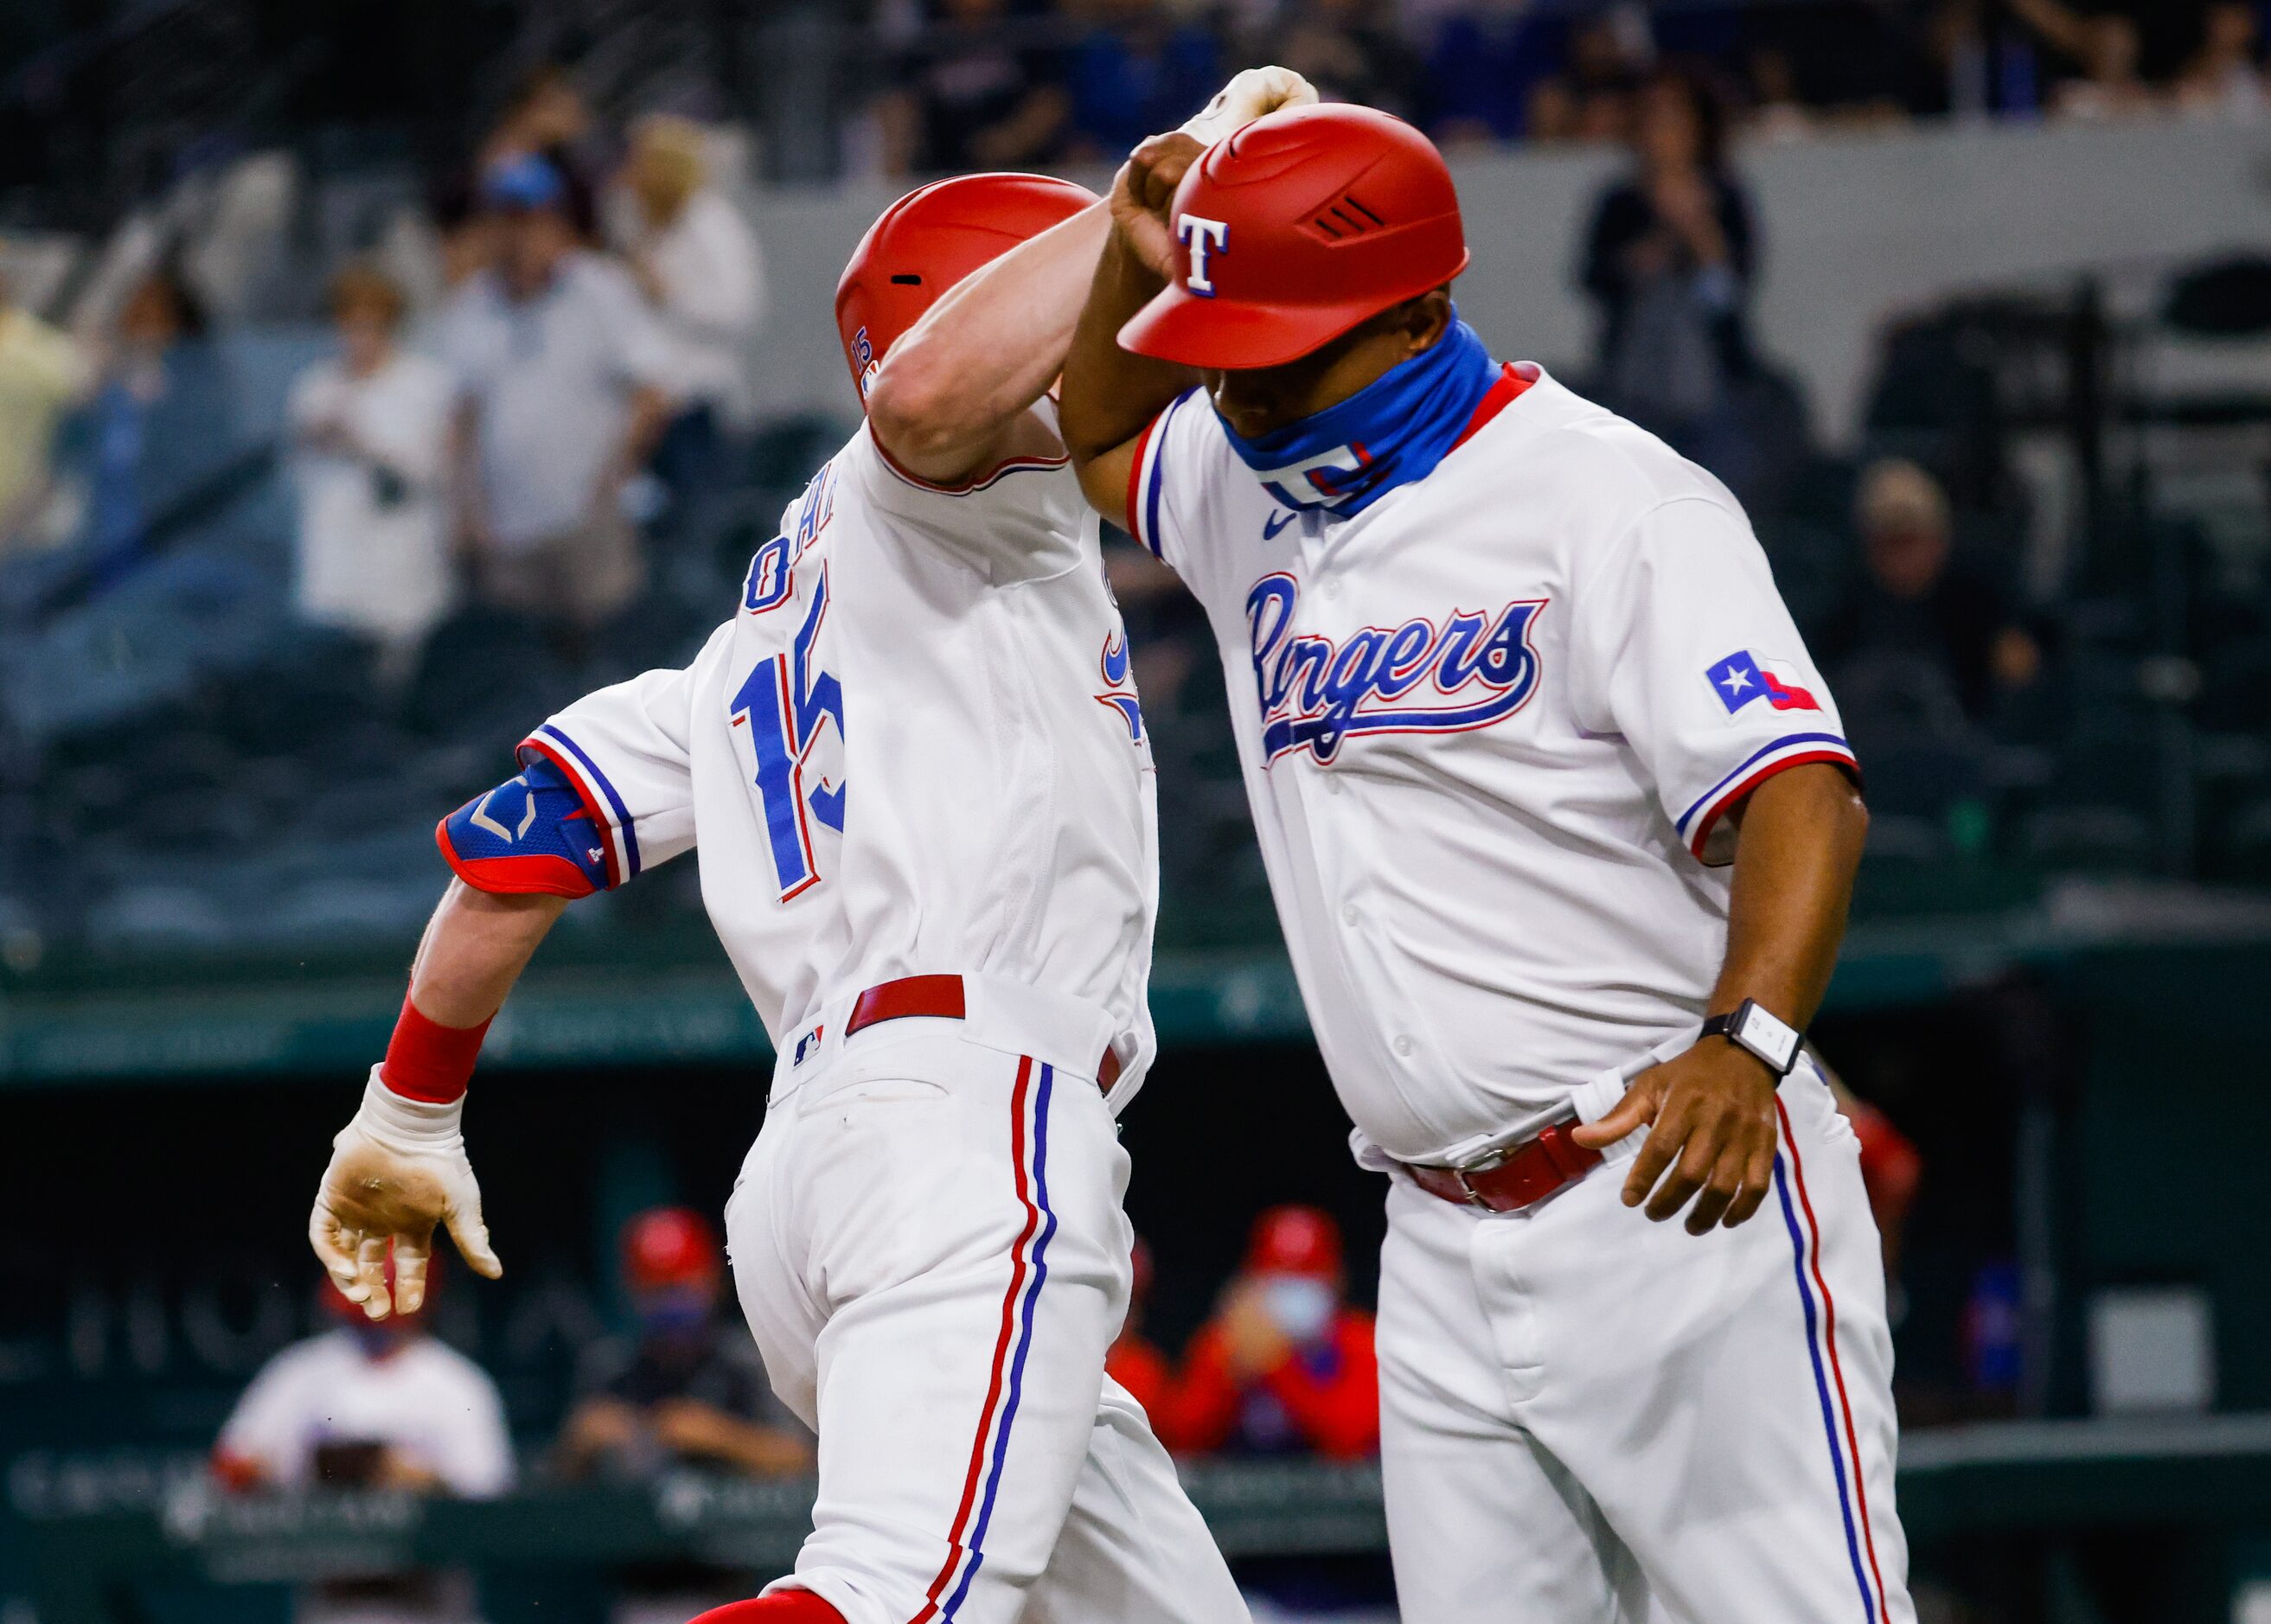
pixel 1338 1412
pixel 1143 1370
pixel 1203 1408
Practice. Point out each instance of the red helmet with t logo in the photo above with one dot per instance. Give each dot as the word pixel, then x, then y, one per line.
pixel 1295 229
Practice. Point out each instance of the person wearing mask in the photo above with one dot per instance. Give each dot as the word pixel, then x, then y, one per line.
pixel 149 430
pixel 1285 1366
pixel 42 371
pixel 370 432
pixel 371 1404
pixel 686 1390
pixel 562 377
pixel 697 263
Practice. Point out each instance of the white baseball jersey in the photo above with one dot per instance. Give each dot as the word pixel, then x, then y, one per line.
pixel 424 1400
pixel 914 749
pixel 1489 726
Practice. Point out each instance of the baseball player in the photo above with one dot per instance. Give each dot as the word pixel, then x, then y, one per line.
pixel 1562 825
pixel 920 780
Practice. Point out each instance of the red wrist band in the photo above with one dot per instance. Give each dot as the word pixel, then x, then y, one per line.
pixel 426 1060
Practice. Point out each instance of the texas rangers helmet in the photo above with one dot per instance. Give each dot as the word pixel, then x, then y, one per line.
pixel 928 241
pixel 1295 1239
pixel 669 1247
pixel 1295 229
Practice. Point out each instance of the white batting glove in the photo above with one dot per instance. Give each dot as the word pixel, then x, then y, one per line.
pixel 1251 92
pixel 397 1171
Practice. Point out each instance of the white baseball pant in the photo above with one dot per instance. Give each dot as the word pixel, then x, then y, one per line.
pixel 929 1244
pixel 1588 1418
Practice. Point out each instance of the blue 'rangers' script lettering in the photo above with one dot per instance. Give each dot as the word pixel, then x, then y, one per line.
pixel 1317 693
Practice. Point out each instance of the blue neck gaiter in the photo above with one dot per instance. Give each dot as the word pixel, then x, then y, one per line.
pixel 1392 431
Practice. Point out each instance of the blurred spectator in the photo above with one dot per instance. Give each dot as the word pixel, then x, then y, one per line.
pixel 465 233
pixel 2224 75
pixel 1139 69
pixel 1915 605
pixel 697 262
pixel 42 371
pixel 1285 1366
pixel 1134 1360
pixel 687 1389
pixel 547 117
pixel 563 374
pixel 1668 262
pixel 1352 50
pixel 976 91
pixel 1593 97
pixel 372 1405
pixel 371 427
pixel 2104 48
pixel 149 433
pixel 1486 63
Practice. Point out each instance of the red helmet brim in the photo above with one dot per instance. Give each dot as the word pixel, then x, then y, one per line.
pixel 1233 335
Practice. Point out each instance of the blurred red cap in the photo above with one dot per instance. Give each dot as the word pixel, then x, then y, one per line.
pixel 1295 229
pixel 668 1247
pixel 928 241
pixel 1295 1241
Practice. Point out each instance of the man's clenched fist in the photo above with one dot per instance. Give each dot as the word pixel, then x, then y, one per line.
pixel 1146 183
pixel 397 1171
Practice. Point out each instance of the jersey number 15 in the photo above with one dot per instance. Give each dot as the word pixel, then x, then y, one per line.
pixel 783 701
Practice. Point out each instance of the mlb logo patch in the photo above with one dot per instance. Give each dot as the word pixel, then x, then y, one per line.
pixel 808 1044
pixel 1742 677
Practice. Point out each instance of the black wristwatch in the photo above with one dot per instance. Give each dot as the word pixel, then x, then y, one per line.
pixel 1752 1028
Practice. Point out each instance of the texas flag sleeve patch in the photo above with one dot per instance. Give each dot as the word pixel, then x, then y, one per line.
pixel 1742 677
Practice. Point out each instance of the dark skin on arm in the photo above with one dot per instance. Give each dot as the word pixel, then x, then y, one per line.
pixel 1710 1111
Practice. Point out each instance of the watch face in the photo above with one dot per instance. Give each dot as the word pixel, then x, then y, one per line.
pixel 1767 1038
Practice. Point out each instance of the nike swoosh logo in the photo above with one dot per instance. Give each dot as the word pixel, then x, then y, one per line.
pixel 1275 523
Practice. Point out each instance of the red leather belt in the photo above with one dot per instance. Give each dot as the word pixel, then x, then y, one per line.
pixel 1519 1176
pixel 938 997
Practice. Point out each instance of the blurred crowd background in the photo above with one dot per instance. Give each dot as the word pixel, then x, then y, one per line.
pixel 376 378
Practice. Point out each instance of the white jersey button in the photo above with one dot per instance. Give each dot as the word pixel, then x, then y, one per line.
pixel 1348 913
pixel 1404 1047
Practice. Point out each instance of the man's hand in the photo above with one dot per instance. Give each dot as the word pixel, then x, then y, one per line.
pixel 1251 92
pixel 397 1171
pixel 1145 185
pixel 1142 192
pixel 1711 1110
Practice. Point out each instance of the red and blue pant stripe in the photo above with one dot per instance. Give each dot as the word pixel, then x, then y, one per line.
pixel 1837 1414
pixel 1029 1270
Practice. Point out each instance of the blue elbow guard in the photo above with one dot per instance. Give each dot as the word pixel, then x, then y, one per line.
pixel 531 833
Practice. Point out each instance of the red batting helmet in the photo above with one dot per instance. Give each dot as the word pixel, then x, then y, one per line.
pixel 1295 1241
pixel 928 241
pixel 669 1247
pixel 1296 229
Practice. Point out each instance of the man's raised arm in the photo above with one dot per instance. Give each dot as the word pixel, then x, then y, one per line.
pixel 1110 394
pixel 398 1169
pixel 952 395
